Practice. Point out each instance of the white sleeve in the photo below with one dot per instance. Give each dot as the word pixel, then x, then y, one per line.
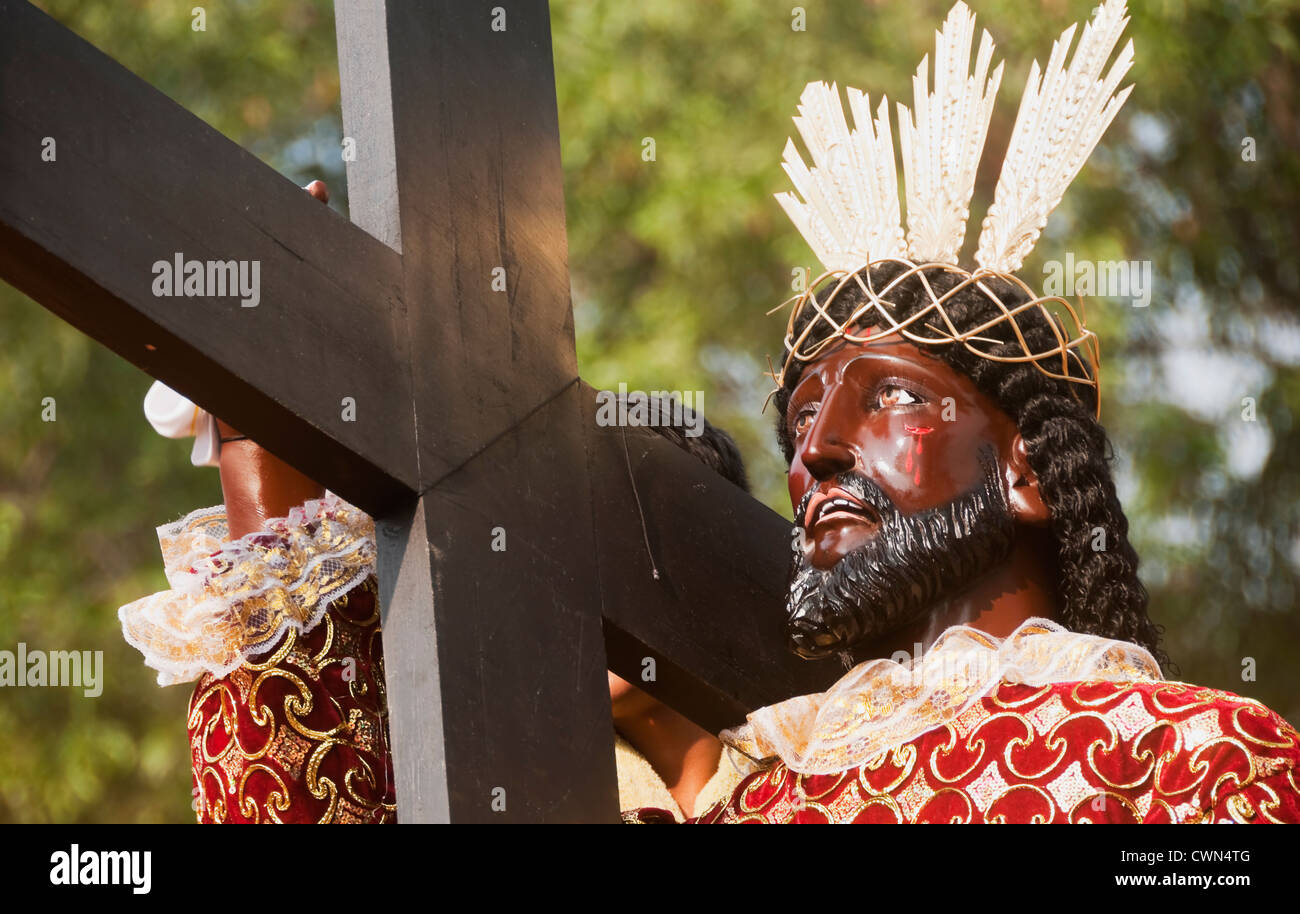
pixel 173 416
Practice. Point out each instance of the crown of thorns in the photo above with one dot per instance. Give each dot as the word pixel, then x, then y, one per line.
pixel 847 205
pixel 1074 356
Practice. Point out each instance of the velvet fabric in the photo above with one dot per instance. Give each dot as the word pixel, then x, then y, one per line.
pixel 1154 752
pixel 300 733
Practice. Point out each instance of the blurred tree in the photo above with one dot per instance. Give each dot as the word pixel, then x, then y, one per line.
pixel 79 496
pixel 673 117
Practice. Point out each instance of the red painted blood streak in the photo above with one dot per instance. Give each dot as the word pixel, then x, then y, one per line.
pixel 918 433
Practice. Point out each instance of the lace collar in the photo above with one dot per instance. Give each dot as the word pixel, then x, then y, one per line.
pixel 881 704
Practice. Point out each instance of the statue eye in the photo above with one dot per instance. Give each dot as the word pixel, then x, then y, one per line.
pixel 894 395
pixel 803 421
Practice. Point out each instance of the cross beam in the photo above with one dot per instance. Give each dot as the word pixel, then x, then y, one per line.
pixel 470 417
pixel 136 178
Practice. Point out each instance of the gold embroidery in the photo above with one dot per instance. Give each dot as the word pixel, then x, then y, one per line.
pixel 998 818
pixel 1070 788
pixel 230 600
pixel 966 801
pixel 280 743
pixel 880 704
pixel 1138 751
pixel 986 788
pixel 1239 808
pixel 949 749
pixel 913 798
pixel 1046 716
pixel 844 807
pixel 1052 742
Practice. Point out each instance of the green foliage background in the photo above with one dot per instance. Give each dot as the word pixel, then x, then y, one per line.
pixel 674 262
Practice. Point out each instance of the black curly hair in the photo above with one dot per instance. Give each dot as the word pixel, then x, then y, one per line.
pixel 1098 590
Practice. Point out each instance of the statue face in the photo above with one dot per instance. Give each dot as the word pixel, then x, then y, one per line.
pixel 899 483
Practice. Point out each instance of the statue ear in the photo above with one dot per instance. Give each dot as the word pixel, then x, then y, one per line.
pixel 1026 503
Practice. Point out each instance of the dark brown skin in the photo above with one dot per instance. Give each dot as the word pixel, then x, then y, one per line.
pixel 257 485
pixel 867 406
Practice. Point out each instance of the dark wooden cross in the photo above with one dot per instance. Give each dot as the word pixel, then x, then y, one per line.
pixel 469 412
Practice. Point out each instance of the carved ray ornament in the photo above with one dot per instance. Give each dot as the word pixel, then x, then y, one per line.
pixel 846 203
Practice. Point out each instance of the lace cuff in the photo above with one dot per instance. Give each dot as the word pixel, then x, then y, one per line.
pixel 230 601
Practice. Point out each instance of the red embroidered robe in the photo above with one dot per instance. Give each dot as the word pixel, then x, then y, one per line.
pixel 1156 752
pixel 301 734
pixel 288 720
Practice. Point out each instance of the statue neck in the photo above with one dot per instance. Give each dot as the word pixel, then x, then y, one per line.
pixel 1021 588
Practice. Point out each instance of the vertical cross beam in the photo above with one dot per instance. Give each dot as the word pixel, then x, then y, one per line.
pixel 492 634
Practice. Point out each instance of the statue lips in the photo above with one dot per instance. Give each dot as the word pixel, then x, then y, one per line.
pixel 838 523
pixel 836 501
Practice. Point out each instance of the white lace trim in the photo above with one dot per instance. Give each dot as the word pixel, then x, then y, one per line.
pixel 232 600
pixel 882 704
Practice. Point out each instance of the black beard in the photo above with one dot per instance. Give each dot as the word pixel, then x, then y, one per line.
pixel 912 562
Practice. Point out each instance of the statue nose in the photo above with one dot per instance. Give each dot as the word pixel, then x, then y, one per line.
pixel 825 453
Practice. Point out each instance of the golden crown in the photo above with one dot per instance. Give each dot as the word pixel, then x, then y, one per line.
pixel 849 211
